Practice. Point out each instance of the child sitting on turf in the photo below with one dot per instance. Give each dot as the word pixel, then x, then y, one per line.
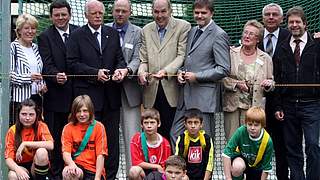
pixel 175 169
pixel 27 144
pixel 195 147
pixel 84 143
pixel 249 151
pixel 149 150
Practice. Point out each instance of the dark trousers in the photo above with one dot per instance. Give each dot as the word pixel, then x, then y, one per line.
pixel 275 128
pixel 302 118
pixel 111 119
pixel 56 121
pixel 166 113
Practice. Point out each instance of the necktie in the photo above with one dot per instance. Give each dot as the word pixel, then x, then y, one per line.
pixel 297 51
pixel 96 38
pixel 121 34
pixel 66 37
pixel 269 46
pixel 196 36
pixel 162 32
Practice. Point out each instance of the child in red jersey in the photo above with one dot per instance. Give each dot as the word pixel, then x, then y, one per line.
pixel 149 150
pixel 87 163
pixel 27 144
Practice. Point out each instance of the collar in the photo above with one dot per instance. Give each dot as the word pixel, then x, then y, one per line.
pixel 205 27
pixel 61 32
pixel 275 33
pixel 303 38
pixel 259 137
pixel 93 30
pixel 124 27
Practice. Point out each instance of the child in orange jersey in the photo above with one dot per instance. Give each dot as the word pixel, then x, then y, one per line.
pixel 87 163
pixel 27 144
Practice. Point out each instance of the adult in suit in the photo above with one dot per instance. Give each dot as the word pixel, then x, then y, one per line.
pixel 131 92
pixel 57 101
pixel 298 62
pixel 94 52
pixel 272 15
pixel 207 61
pixel 161 54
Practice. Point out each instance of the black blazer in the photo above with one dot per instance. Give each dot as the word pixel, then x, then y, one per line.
pixel 53 53
pixel 283 34
pixel 84 58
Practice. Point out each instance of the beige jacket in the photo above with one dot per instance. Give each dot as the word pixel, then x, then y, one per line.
pixel 263 70
pixel 168 55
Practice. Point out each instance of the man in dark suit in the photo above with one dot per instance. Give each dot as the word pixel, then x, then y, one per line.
pixel 131 93
pixel 273 36
pixel 57 100
pixel 207 61
pixel 298 107
pixel 94 52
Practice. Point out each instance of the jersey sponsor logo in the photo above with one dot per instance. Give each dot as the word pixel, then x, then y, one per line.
pixel 153 159
pixel 195 154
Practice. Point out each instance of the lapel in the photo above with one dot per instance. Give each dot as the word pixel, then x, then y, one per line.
pixel 283 34
pixel 128 37
pixel 259 62
pixel 169 33
pixel 91 38
pixel 155 35
pixel 105 37
pixel 310 42
pixel 56 38
pixel 203 36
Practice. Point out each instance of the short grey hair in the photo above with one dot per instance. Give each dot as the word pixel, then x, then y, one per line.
pixel 272 5
pixel 86 7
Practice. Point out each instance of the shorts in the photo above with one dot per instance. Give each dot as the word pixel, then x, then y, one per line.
pixel 251 173
pixel 88 175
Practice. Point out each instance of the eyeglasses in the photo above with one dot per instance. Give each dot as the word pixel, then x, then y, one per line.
pixel 250 34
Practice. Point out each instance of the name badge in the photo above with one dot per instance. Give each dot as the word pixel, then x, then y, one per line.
pixel 129 46
pixel 260 62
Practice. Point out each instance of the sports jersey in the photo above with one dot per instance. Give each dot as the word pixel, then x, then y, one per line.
pixel 199 158
pixel 27 134
pixel 71 139
pixel 157 153
pixel 249 147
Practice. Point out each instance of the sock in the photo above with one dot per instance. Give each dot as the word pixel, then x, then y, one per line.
pixel 41 172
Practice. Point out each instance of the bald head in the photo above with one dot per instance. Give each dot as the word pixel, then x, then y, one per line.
pixel 121 12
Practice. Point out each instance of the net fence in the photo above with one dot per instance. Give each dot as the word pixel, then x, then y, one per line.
pixel 231 15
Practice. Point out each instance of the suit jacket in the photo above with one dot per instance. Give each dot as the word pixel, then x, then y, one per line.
pixel 209 59
pixel 84 58
pixel 53 52
pixel 287 72
pixel 263 70
pixel 130 50
pixel 283 34
pixel 168 55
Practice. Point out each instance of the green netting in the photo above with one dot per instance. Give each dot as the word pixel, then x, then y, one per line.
pixel 231 15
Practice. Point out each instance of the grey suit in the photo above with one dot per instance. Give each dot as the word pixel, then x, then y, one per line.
pixel 209 59
pixel 131 93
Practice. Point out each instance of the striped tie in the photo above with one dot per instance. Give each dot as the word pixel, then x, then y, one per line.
pixel 297 51
pixel 269 46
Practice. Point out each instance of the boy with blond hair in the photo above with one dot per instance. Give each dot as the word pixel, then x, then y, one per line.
pixel 249 151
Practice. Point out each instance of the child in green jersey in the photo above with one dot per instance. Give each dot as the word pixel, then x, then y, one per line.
pixel 249 151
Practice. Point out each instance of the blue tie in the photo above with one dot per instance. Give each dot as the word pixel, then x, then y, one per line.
pixel 162 32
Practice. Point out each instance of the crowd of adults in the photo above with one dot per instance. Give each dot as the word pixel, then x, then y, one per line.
pixel 173 67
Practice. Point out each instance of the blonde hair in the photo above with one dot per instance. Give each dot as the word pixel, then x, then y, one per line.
pixel 25 19
pixel 256 114
pixel 78 103
pixel 257 25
